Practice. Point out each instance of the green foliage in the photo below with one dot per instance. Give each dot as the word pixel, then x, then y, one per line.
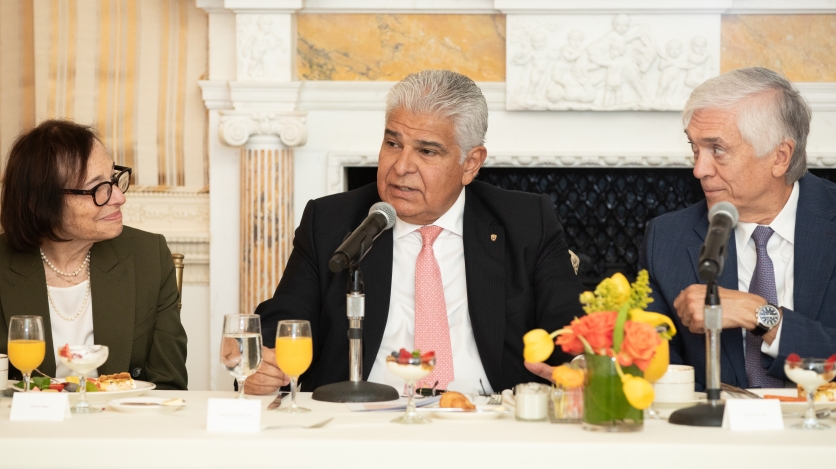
pixel 640 291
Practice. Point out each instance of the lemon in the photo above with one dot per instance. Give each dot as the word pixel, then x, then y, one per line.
pixel 71 379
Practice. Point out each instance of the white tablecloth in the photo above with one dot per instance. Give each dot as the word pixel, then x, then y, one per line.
pixel 369 440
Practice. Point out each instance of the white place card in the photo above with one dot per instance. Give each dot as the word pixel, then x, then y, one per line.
pixel 40 406
pixel 234 415
pixel 753 414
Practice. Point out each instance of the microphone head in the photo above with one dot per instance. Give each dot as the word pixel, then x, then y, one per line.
pixel 726 208
pixel 389 212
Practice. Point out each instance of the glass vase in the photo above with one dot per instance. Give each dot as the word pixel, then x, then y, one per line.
pixel 604 406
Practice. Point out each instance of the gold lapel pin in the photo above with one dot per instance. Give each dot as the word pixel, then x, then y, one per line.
pixel 493 237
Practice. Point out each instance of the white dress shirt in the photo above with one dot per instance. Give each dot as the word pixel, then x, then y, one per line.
pixel 780 248
pixel 400 326
pixel 76 332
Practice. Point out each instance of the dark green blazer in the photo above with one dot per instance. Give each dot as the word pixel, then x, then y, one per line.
pixel 135 313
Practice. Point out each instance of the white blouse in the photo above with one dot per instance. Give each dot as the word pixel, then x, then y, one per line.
pixel 76 332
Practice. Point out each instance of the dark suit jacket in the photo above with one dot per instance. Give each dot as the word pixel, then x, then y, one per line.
pixel 522 281
pixel 671 251
pixel 134 306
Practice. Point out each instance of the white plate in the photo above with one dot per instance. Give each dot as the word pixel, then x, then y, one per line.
pixel 143 405
pixel 799 407
pixel 101 397
pixel 698 397
pixel 485 412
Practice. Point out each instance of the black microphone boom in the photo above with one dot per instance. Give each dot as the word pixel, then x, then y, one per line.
pixel 381 217
pixel 722 220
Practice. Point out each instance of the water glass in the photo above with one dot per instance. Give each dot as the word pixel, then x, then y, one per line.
pixel 241 347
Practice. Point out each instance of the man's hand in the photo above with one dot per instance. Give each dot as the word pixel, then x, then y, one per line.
pixel 540 369
pixel 738 308
pixel 268 378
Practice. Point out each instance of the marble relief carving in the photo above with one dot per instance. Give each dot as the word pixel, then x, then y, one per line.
pixel 236 128
pixel 261 48
pixel 609 62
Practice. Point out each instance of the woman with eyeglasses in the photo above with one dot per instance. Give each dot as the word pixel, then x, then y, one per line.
pixel 65 256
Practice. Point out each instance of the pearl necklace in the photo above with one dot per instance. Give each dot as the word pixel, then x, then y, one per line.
pixel 61 272
pixel 86 294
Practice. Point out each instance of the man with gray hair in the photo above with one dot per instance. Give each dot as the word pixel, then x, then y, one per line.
pixel 748 131
pixel 466 271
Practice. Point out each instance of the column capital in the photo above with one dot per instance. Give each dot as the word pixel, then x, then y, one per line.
pixel 237 127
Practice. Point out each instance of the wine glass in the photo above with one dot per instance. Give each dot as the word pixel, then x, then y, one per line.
pixel 810 373
pixel 294 352
pixel 83 359
pixel 241 347
pixel 410 370
pixel 26 345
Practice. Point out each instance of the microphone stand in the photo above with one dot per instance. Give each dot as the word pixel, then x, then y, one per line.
pixel 355 389
pixel 710 414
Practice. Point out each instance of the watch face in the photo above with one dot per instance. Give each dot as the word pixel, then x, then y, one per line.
pixel 769 316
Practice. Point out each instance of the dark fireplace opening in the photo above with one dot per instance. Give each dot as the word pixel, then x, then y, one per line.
pixel 604 211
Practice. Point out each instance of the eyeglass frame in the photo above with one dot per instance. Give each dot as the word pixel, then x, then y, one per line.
pixel 113 181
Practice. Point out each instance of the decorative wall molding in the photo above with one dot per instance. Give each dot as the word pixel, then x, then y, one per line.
pixel 181 214
pixel 266 47
pixel 783 7
pixel 339 162
pixel 371 95
pixel 215 94
pixel 263 6
pixel 237 126
pixel 609 62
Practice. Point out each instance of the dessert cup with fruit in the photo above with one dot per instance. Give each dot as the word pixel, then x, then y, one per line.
pixel 411 367
pixel 810 373
pixel 83 359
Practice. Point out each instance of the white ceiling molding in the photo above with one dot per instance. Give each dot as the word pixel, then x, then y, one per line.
pixel 371 95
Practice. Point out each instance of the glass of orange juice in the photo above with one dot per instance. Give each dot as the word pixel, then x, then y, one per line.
pixel 294 352
pixel 26 345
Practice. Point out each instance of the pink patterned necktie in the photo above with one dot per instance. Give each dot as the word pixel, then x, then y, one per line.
pixel 432 331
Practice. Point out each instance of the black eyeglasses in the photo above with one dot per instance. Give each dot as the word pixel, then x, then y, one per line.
pixel 102 191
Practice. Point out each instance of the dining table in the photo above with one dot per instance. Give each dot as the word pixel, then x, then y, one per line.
pixel 353 439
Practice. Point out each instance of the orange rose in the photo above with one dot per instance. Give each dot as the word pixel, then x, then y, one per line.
pixel 596 328
pixel 570 343
pixel 640 342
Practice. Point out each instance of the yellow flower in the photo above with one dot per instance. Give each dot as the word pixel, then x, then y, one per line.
pixel 654 319
pixel 659 363
pixel 538 346
pixel 567 376
pixel 638 391
pixel 620 288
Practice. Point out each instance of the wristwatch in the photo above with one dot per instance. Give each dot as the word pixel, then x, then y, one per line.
pixel 768 316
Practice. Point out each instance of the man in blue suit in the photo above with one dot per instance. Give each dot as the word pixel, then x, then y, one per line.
pixel 748 130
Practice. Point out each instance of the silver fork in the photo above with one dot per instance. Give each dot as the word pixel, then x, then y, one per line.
pixel 495 399
pixel 316 425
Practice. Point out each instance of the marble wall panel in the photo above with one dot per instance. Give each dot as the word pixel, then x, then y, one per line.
pixel 388 47
pixel 802 47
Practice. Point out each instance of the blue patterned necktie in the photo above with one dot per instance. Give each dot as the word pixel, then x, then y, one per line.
pixel 762 284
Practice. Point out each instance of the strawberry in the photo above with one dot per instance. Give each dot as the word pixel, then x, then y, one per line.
pixel 64 351
pixel 425 358
pixel 57 386
pixel 404 356
pixel 794 359
pixel 828 364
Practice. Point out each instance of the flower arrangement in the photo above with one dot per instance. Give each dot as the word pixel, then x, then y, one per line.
pixel 617 328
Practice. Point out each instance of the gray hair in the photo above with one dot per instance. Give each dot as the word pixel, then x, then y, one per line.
pixel 448 95
pixel 770 110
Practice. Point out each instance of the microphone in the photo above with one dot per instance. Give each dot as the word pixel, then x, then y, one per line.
pixel 381 217
pixel 722 219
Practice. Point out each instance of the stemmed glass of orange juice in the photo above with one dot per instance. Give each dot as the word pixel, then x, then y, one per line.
pixel 294 352
pixel 26 345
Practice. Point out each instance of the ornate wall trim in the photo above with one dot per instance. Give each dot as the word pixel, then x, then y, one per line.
pixel 338 162
pixel 238 126
pixel 356 96
pixel 181 214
